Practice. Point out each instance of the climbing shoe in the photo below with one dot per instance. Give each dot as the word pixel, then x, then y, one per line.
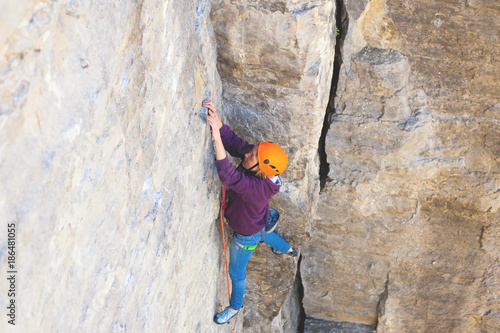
pixel 293 254
pixel 272 222
pixel 224 316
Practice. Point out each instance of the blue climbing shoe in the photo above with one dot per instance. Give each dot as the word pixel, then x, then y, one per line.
pixel 224 316
pixel 272 222
pixel 293 254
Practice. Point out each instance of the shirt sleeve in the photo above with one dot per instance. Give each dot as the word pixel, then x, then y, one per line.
pixel 232 142
pixel 233 179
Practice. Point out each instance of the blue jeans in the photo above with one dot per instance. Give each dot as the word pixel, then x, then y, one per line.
pixel 241 250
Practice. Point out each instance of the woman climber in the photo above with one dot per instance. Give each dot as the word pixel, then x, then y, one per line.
pixel 250 186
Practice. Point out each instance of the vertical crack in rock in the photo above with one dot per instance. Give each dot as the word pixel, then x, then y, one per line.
pixel 302 316
pixel 341 24
pixel 382 301
pixel 480 240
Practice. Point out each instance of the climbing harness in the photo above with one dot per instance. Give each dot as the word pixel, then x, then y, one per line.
pixel 223 207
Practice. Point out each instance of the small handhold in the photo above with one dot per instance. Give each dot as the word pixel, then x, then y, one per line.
pixel 84 63
pixel 437 22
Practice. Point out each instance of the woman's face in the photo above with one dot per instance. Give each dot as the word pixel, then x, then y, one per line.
pixel 251 158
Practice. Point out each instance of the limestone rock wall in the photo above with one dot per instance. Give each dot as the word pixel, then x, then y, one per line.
pixel 106 166
pixel 410 210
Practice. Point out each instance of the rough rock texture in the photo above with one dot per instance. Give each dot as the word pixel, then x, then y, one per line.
pixel 410 210
pixel 276 64
pixel 106 166
pixel 324 326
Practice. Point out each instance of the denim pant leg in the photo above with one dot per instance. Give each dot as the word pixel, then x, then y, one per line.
pixel 274 240
pixel 238 261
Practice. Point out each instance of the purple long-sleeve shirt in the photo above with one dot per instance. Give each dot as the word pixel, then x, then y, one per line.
pixel 248 207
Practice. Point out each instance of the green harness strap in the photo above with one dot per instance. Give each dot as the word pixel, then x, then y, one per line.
pixel 249 247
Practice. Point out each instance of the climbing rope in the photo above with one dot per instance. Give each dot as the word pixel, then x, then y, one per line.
pixel 223 206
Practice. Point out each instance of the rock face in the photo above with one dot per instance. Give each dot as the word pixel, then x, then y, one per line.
pixel 410 210
pixel 107 167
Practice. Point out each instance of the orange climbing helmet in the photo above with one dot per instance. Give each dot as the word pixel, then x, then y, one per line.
pixel 272 158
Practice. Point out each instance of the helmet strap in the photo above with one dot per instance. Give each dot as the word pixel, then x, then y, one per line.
pixel 254 166
pixel 246 171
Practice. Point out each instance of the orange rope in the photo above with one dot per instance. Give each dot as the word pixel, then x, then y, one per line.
pixel 222 209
